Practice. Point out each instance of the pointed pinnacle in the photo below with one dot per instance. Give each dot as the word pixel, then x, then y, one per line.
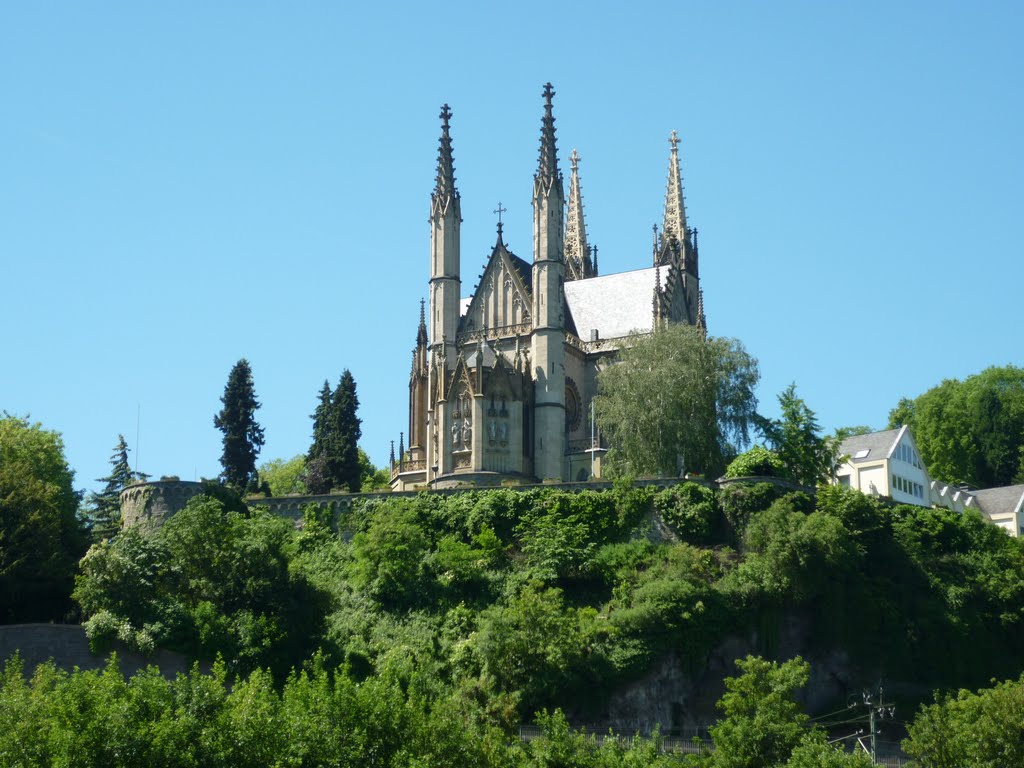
pixel 675 206
pixel 547 169
pixel 445 183
pixel 576 249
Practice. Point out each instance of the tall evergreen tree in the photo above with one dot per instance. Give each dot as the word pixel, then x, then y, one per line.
pixel 318 479
pixel 333 458
pixel 347 431
pixel 243 436
pixel 105 507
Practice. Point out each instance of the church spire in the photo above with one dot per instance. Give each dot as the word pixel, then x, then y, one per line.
pixel 675 206
pixel 444 185
pixel 421 332
pixel 577 253
pixel 547 170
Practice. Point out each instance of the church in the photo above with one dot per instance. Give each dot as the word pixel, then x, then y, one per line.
pixel 502 380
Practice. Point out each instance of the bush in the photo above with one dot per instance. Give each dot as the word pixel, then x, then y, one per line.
pixel 757 462
pixel 690 509
pixel 738 502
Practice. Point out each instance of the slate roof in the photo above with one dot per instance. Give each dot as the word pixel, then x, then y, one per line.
pixel 877 444
pixel 614 305
pixel 999 501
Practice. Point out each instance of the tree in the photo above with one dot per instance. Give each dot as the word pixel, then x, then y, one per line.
pixel 243 436
pixel 284 477
pixel 762 723
pixel 333 458
pixel 41 537
pixel 981 729
pixel 970 431
pixel 104 513
pixel 808 457
pixel 347 431
pixel 676 400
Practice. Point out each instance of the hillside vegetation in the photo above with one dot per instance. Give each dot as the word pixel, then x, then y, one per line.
pixel 544 599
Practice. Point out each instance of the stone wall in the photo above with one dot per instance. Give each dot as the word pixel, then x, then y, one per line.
pixel 68 647
pixel 148 505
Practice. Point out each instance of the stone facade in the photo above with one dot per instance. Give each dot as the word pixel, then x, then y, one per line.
pixel 502 380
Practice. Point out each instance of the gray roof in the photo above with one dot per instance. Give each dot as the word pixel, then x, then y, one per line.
pixel 999 501
pixel 877 445
pixel 613 305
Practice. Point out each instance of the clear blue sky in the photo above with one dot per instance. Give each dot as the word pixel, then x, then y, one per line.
pixel 186 184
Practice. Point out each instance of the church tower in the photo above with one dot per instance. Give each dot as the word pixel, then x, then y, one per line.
pixel 445 223
pixel 548 340
pixel 445 288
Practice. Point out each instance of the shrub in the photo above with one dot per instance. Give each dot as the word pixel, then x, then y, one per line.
pixel 757 462
pixel 690 509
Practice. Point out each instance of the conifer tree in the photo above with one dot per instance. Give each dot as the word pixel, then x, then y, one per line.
pixel 105 507
pixel 347 431
pixel 317 477
pixel 333 458
pixel 243 436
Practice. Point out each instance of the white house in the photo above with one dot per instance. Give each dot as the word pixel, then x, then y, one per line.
pixel 888 464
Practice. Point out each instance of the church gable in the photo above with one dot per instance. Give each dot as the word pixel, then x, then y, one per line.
pixel 502 300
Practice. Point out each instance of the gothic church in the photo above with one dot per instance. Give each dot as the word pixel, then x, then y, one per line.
pixel 502 380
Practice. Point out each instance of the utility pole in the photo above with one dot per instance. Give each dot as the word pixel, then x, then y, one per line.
pixel 878 709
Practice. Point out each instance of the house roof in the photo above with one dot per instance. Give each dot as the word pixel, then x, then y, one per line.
pixel 1000 501
pixel 877 445
pixel 613 305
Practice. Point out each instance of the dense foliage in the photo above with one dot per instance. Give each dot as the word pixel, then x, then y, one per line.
pixel 216 579
pixel 983 729
pixel 544 598
pixel 243 436
pixel 676 401
pixel 41 537
pixel 970 431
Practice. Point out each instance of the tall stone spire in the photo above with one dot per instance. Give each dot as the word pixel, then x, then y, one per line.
pixel 577 253
pixel 421 332
pixel 547 170
pixel 444 186
pixel 675 207
pixel 445 225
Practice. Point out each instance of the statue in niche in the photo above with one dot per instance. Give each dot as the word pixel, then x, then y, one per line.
pixel 467 434
pixel 492 431
pixel 503 431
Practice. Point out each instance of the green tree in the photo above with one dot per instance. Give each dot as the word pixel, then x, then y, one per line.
pixel 318 480
pixel 104 508
pixel 762 723
pixel 676 400
pixel 371 478
pixel 333 458
pixel 41 537
pixel 982 730
pixel 243 436
pixel 284 477
pixel 808 457
pixel 347 431
pixel 970 431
